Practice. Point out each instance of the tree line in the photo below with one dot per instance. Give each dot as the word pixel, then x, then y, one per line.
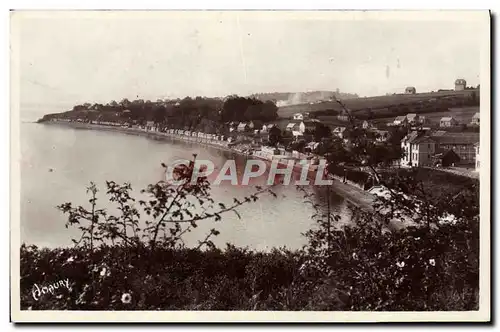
pixel 189 113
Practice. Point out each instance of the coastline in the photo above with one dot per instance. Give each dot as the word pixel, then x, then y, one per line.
pixel 350 192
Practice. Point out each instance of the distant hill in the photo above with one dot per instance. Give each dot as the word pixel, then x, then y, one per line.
pixel 296 98
pixel 388 106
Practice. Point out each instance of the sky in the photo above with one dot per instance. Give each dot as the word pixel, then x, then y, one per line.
pixel 74 57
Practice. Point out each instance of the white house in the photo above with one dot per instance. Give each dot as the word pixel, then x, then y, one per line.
pixel 243 126
pixel 418 149
pixel 400 121
pixel 448 122
pixel 298 116
pixel 301 116
pixel 299 128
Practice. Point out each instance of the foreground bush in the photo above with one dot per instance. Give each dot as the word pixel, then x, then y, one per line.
pixel 413 269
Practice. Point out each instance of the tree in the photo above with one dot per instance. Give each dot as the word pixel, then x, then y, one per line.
pixel 321 131
pixel 274 136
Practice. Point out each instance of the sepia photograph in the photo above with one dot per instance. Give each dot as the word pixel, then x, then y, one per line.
pixel 265 166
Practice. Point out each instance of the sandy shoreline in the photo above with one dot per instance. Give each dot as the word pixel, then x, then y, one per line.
pixel 351 193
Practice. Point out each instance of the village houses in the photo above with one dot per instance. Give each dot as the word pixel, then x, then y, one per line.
pixel 461 143
pixel 299 128
pixel 447 122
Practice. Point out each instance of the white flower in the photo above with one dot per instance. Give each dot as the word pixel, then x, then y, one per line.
pixel 432 262
pixel 354 256
pixel 417 238
pixel 126 298
pixel 69 260
pixel 400 264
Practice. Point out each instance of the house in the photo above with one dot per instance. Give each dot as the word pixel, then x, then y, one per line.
pixel 410 90
pixel 242 126
pixel 301 116
pixel 448 121
pixel 343 116
pixel 475 119
pixel 267 127
pixel 233 125
pixel 339 132
pixel 461 143
pixel 381 135
pixel 400 121
pixel 366 124
pixel 299 128
pixel 460 84
pixel 412 118
pixel 291 125
pixel 150 125
pixel 418 149
pixel 476 147
pixel 446 159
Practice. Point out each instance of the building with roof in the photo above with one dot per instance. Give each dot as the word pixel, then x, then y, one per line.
pixel 381 135
pixel 299 128
pixel 418 149
pixel 410 90
pixel 243 126
pixel 343 116
pixel 301 116
pixel 339 131
pixel 460 84
pixel 150 125
pixel 461 143
pixel 412 118
pixel 447 122
pixel 446 159
pixel 400 121
pixel 475 120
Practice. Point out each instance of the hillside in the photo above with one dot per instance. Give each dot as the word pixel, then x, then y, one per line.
pixel 389 106
pixel 295 98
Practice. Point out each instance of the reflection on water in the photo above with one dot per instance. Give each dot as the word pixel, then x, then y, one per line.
pixel 58 163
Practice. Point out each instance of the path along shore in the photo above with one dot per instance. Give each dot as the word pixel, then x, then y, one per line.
pixel 351 192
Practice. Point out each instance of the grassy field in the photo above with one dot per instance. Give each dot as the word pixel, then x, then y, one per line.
pixel 374 103
pixel 462 114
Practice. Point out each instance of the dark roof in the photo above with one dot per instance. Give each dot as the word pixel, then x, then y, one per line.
pixel 455 138
pixel 423 139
